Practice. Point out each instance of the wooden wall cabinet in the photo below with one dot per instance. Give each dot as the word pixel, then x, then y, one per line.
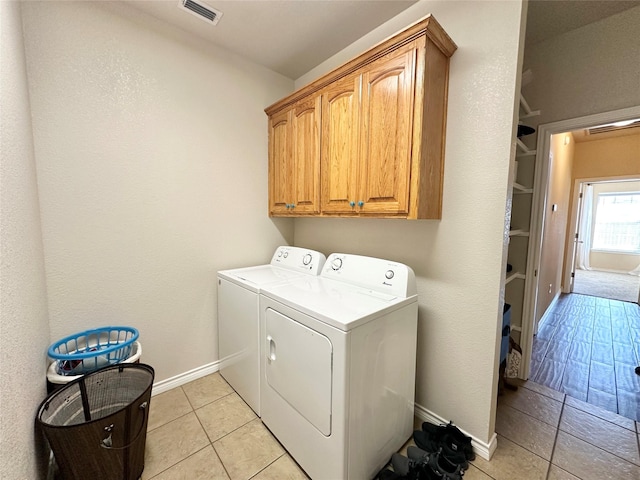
pixel 294 159
pixel 382 120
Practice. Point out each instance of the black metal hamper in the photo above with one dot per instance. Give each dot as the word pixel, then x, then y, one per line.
pixel 97 425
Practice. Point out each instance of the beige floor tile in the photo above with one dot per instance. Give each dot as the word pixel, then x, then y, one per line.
pixel 167 406
pixel 599 432
pixel 588 462
pixel 535 404
pixel 544 390
pixel 173 442
pixel 224 416
pixel 248 450
pixel 206 390
pixel 601 412
pixel 283 468
pixel 556 473
pixel 202 465
pixel 526 431
pixel 511 461
pixel 475 474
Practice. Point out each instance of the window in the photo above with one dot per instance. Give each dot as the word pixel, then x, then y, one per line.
pixel 617 224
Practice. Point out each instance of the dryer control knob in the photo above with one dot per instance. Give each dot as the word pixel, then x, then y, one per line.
pixel 336 263
pixel 306 260
pixel 285 254
pixel 389 274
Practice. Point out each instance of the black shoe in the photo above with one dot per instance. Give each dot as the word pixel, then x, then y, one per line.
pixel 442 467
pixel 451 436
pixel 429 444
pixel 412 468
pixel 388 475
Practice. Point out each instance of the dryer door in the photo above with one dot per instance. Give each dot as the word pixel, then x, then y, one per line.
pixel 299 368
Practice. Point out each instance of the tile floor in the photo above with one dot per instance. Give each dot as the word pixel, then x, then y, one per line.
pixel 203 430
pixel 588 347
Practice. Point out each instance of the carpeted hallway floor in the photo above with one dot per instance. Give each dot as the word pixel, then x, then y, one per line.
pixel 616 286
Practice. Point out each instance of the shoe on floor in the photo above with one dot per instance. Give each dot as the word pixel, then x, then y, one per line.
pixel 429 444
pixel 412 469
pixel 435 465
pixel 450 435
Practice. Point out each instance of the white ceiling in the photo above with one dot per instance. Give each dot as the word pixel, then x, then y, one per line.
pixel 293 36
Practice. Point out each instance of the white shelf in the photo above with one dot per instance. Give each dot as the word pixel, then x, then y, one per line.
pixel 516 328
pixel 528 113
pixel 524 150
pixel 518 232
pixel 511 276
pixel 518 188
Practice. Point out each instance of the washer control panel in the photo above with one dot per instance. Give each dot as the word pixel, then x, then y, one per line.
pixel 374 273
pixel 297 258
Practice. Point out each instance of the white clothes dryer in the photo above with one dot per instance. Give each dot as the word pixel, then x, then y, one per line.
pixel 239 315
pixel 338 365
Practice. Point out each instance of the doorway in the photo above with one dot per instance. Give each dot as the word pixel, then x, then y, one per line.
pixel 533 309
pixel 604 247
pixel 537 315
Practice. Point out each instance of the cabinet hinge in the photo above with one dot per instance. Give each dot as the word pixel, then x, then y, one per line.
pixel 576 236
pixel 535 273
pixel 580 196
pixel 573 274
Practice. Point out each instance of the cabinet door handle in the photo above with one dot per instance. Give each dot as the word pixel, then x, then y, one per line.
pixel 352 204
pixel 293 205
pixel 360 203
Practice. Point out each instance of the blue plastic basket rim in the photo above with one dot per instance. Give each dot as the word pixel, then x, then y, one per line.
pixel 75 336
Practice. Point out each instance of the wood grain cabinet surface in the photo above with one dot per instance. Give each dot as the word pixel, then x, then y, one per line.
pixel 367 139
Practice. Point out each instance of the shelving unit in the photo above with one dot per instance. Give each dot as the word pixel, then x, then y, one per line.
pixel 522 185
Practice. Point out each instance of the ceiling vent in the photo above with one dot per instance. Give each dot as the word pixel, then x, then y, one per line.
pixel 201 10
pixel 614 127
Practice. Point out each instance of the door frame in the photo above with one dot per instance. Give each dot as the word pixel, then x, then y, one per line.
pixel 539 201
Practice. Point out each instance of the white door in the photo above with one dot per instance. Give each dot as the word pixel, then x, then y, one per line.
pixel 299 368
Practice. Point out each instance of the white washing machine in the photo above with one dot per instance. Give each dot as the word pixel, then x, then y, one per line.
pixel 239 315
pixel 338 365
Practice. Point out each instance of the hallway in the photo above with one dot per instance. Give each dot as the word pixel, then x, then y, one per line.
pixel 588 348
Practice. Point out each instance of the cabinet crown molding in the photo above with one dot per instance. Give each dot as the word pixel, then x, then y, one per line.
pixel 428 26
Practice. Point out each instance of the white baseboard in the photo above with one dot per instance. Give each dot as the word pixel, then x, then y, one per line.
pixel 484 450
pixel 186 377
pixel 548 311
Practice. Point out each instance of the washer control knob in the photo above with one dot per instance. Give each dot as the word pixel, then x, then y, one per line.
pixel 336 263
pixel 389 274
pixel 279 253
pixel 306 260
pixel 285 254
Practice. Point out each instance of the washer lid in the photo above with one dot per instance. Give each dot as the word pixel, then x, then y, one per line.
pixel 335 303
pixel 254 278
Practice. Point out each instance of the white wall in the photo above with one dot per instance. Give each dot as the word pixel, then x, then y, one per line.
pixel 151 150
pixel 459 260
pixel 24 328
pixel 589 70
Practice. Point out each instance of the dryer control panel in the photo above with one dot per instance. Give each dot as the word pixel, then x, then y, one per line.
pixel 377 274
pixel 296 258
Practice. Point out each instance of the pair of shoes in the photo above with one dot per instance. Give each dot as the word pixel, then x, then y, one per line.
pixel 455 445
pixel 426 466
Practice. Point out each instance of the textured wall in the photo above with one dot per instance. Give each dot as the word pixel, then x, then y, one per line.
pixel 589 70
pixel 151 150
pixel 555 222
pixel 458 260
pixel 24 328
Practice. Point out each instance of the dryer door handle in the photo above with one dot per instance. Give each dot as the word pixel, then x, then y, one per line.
pixel 272 349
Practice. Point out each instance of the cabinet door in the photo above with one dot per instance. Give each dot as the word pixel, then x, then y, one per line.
pixel 340 143
pixel 281 166
pixel 387 123
pixel 305 144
